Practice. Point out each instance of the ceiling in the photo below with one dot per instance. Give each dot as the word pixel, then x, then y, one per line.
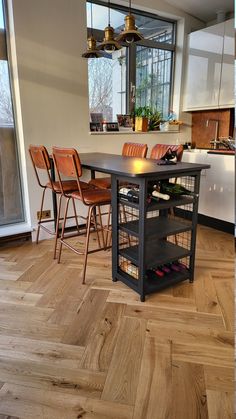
pixel 204 10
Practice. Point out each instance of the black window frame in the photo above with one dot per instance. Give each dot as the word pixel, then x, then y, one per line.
pixel 131 50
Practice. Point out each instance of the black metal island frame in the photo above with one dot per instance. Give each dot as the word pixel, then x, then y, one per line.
pixel 153 241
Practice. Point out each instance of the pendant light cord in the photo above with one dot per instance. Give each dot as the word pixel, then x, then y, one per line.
pixel 130 7
pixel 109 14
pixel 91 14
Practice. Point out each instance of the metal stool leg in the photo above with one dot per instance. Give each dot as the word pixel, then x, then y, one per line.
pixel 76 218
pixel 94 216
pixel 40 216
pixel 57 227
pixel 101 227
pixel 87 243
pixel 108 235
pixel 63 230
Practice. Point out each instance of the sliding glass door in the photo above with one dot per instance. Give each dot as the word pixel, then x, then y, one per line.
pixel 11 202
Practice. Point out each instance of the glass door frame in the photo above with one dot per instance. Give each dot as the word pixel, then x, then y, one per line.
pixel 25 225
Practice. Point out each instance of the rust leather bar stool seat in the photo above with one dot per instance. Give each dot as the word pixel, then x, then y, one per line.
pixel 42 163
pixel 67 163
pixel 159 150
pixel 129 150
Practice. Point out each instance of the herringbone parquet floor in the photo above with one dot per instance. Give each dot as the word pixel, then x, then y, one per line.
pixel 95 351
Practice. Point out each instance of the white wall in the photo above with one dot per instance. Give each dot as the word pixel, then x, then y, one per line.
pixel 50 38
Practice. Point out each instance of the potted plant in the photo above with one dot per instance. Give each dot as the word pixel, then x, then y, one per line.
pixel 154 121
pixel 142 115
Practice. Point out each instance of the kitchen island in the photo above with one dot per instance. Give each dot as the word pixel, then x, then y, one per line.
pixel 149 236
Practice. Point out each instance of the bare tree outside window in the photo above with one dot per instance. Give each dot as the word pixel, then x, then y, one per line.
pixel 6 116
pixel 100 87
pixel 107 85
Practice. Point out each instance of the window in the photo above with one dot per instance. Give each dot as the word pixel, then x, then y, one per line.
pixel 107 85
pixel 11 203
pixel 137 75
pixel 153 78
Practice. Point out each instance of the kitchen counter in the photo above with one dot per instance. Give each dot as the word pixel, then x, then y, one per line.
pixel 217 191
pixel 224 152
pixel 211 151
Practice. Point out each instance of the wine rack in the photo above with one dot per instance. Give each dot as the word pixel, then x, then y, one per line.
pixel 154 244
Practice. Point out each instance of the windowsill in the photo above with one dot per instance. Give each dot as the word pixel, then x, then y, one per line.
pixel 131 132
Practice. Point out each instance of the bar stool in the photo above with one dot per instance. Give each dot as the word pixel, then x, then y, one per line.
pixel 67 163
pixel 42 163
pixel 128 150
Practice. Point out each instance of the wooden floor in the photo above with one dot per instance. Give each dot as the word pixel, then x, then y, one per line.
pixel 94 351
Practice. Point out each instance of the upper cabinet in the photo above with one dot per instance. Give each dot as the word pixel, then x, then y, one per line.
pixel 210 68
pixel 226 96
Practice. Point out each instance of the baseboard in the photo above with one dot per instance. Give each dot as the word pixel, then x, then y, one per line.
pixel 215 223
pixel 17 239
pixel 220 225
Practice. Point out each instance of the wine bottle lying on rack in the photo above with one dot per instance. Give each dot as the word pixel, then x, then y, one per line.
pixel 157 194
pixel 129 194
pixel 174 189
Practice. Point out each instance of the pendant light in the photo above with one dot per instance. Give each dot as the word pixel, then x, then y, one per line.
pixel 109 43
pixel 92 51
pixel 130 34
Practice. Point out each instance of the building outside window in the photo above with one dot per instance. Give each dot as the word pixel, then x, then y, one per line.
pixel 137 75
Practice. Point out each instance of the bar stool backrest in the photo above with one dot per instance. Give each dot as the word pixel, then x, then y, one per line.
pixel 159 150
pixel 134 150
pixel 41 161
pixel 67 163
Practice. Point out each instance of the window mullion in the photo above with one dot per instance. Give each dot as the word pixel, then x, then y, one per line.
pixel 131 75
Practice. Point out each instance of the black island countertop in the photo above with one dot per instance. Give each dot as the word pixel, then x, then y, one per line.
pixel 134 167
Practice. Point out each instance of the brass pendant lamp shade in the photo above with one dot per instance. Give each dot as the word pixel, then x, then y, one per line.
pixel 130 34
pixel 92 51
pixel 109 43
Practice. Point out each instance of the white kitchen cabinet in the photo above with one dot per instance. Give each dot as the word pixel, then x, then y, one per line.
pixel 210 71
pixel 226 98
pixel 217 190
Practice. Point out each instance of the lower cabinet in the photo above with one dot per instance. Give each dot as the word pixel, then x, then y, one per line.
pixel 154 247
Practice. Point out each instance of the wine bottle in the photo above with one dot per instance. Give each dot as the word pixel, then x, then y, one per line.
pixel 160 195
pixel 129 194
pixel 174 189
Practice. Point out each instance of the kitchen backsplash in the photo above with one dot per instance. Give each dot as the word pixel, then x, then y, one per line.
pixel 203 134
